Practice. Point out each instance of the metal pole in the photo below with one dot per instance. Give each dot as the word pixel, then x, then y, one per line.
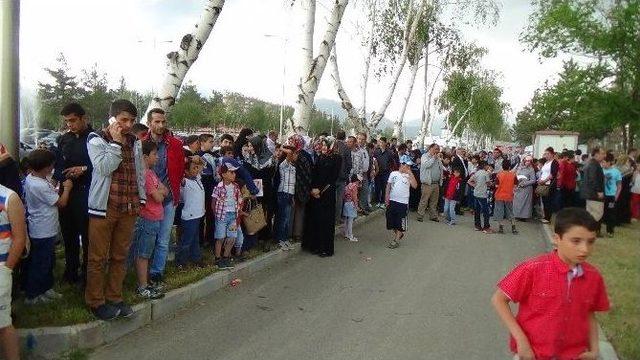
pixel 9 65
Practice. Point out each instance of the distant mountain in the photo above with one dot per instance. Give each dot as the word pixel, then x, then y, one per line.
pixel 412 125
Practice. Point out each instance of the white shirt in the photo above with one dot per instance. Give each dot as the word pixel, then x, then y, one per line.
pixel 230 201
pixel 400 187
pixel 545 172
pixel 192 194
pixel 41 198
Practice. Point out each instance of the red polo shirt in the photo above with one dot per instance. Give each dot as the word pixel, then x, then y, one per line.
pixel 553 310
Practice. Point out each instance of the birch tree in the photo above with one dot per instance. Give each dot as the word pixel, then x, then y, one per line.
pixel 314 66
pixel 352 114
pixel 180 61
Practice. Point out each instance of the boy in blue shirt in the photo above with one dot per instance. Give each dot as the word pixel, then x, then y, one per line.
pixel 612 188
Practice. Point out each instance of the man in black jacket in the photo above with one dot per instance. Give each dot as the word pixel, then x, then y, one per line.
pixel 592 187
pixel 460 163
pixel 72 162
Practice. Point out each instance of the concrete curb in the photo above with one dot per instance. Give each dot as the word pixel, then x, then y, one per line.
pixel 606 349
pixel 51 342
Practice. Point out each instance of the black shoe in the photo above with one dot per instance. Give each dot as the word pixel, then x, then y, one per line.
pixel 106 312
pixel 125 310
pixel 324 255
pixel 514 231
pixel 435 220
pixel 500 230
pixel 420 218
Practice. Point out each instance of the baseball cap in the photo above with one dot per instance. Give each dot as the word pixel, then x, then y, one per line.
pixel 231 164
pixel 406 159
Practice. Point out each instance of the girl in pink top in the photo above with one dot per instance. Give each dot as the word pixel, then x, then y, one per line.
pixel 350 207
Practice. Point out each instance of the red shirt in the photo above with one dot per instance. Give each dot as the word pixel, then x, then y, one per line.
pixel 567 175
pixel 553 311
pixel 452 188
pixel 152 210
pixel 506 183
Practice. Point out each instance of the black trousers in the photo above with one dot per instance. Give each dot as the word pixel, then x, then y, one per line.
pixel 380 187
pixel 610 216
pixel 74 223
pixel 206 226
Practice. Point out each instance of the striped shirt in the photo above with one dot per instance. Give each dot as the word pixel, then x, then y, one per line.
pixel 5 226
pixel 287 178
pixel 220 195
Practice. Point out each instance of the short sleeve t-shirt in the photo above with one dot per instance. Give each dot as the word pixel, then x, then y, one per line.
pixel 506 183
pixel 230 204
pixel 41 198
pixel 152 210
pixel 612 177
pixel 400 187
pixel 481 177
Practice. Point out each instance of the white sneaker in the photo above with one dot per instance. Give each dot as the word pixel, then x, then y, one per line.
pixel 353 239
pixel 53 295
pixel 283 246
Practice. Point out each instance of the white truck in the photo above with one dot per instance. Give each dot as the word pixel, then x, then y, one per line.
pixel 558 140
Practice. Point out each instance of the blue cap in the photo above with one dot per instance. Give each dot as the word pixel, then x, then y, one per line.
pixel 406 159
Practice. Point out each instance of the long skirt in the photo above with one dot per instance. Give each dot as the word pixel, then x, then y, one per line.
pixel 523 202
pixel 320 221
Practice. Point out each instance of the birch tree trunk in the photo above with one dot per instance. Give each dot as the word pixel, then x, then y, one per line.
pixel 367 66
pixel 429 89
pixel 410 30
pixel 180 61
pixel 398 124
pixel 314 67
pixel 352 114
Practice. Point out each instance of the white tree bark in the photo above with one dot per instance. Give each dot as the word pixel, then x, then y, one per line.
pixel 314 69
pixel 352 113
pixel 180 61
pixel 398 124
pixel 410 30
pixel 367 66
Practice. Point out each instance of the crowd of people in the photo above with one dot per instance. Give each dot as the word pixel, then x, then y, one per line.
pixel 116 194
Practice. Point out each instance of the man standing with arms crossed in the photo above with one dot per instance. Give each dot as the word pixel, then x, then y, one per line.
pixel 431 178
pixel 170 171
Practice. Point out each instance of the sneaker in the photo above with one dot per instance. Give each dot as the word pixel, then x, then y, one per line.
pixel 157 285
pixel 125 310
pixel 477 229
pixel 283 246
pixel 393 244
pixel 106 312
pixel 225 264
pixel 289 245
pixel 514 231
pixel 353 239
pixel 544 221
pixel 149 293
pixel 420 218
pixel 51 294
pixel 500 230
pixel 488 231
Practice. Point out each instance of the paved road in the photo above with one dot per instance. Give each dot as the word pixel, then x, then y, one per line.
pixel 429 299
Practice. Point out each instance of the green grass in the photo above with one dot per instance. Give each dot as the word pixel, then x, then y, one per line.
pixel 618 260
pixel 71 309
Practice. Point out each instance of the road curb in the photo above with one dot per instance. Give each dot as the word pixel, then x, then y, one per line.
pixel 51 342
pixel 606 349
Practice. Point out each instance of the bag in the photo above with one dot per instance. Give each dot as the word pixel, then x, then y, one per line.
pixel 542 190
pixel 256 220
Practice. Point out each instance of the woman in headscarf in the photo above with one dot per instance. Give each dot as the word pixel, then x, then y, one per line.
pixel 303 185
pixel 245 134
pixel 321 220
pixel 523 192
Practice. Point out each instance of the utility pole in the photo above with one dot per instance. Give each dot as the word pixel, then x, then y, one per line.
pixel 9 86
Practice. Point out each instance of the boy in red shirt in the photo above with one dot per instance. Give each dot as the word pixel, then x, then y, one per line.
pixel 452 195
pixel 558 294
pixel 503 208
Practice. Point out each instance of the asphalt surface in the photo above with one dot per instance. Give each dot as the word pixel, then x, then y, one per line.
pixel 428 299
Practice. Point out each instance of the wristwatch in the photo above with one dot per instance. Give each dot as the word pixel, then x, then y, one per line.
pixel 84 168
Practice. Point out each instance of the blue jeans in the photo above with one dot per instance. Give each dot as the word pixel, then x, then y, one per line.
pixel 450 210
pixel 283 216
pixel 481 207
pixel 39 267
pixel 159 260
pixel 189 245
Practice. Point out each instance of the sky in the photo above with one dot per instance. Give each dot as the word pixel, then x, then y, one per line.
pixel 253 49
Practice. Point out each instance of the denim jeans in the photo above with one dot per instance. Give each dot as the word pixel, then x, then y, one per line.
pixel 481 207
pixel 161 251
pixel 39 267
pixel 450 210
pixel 283 216
pixel 189 244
